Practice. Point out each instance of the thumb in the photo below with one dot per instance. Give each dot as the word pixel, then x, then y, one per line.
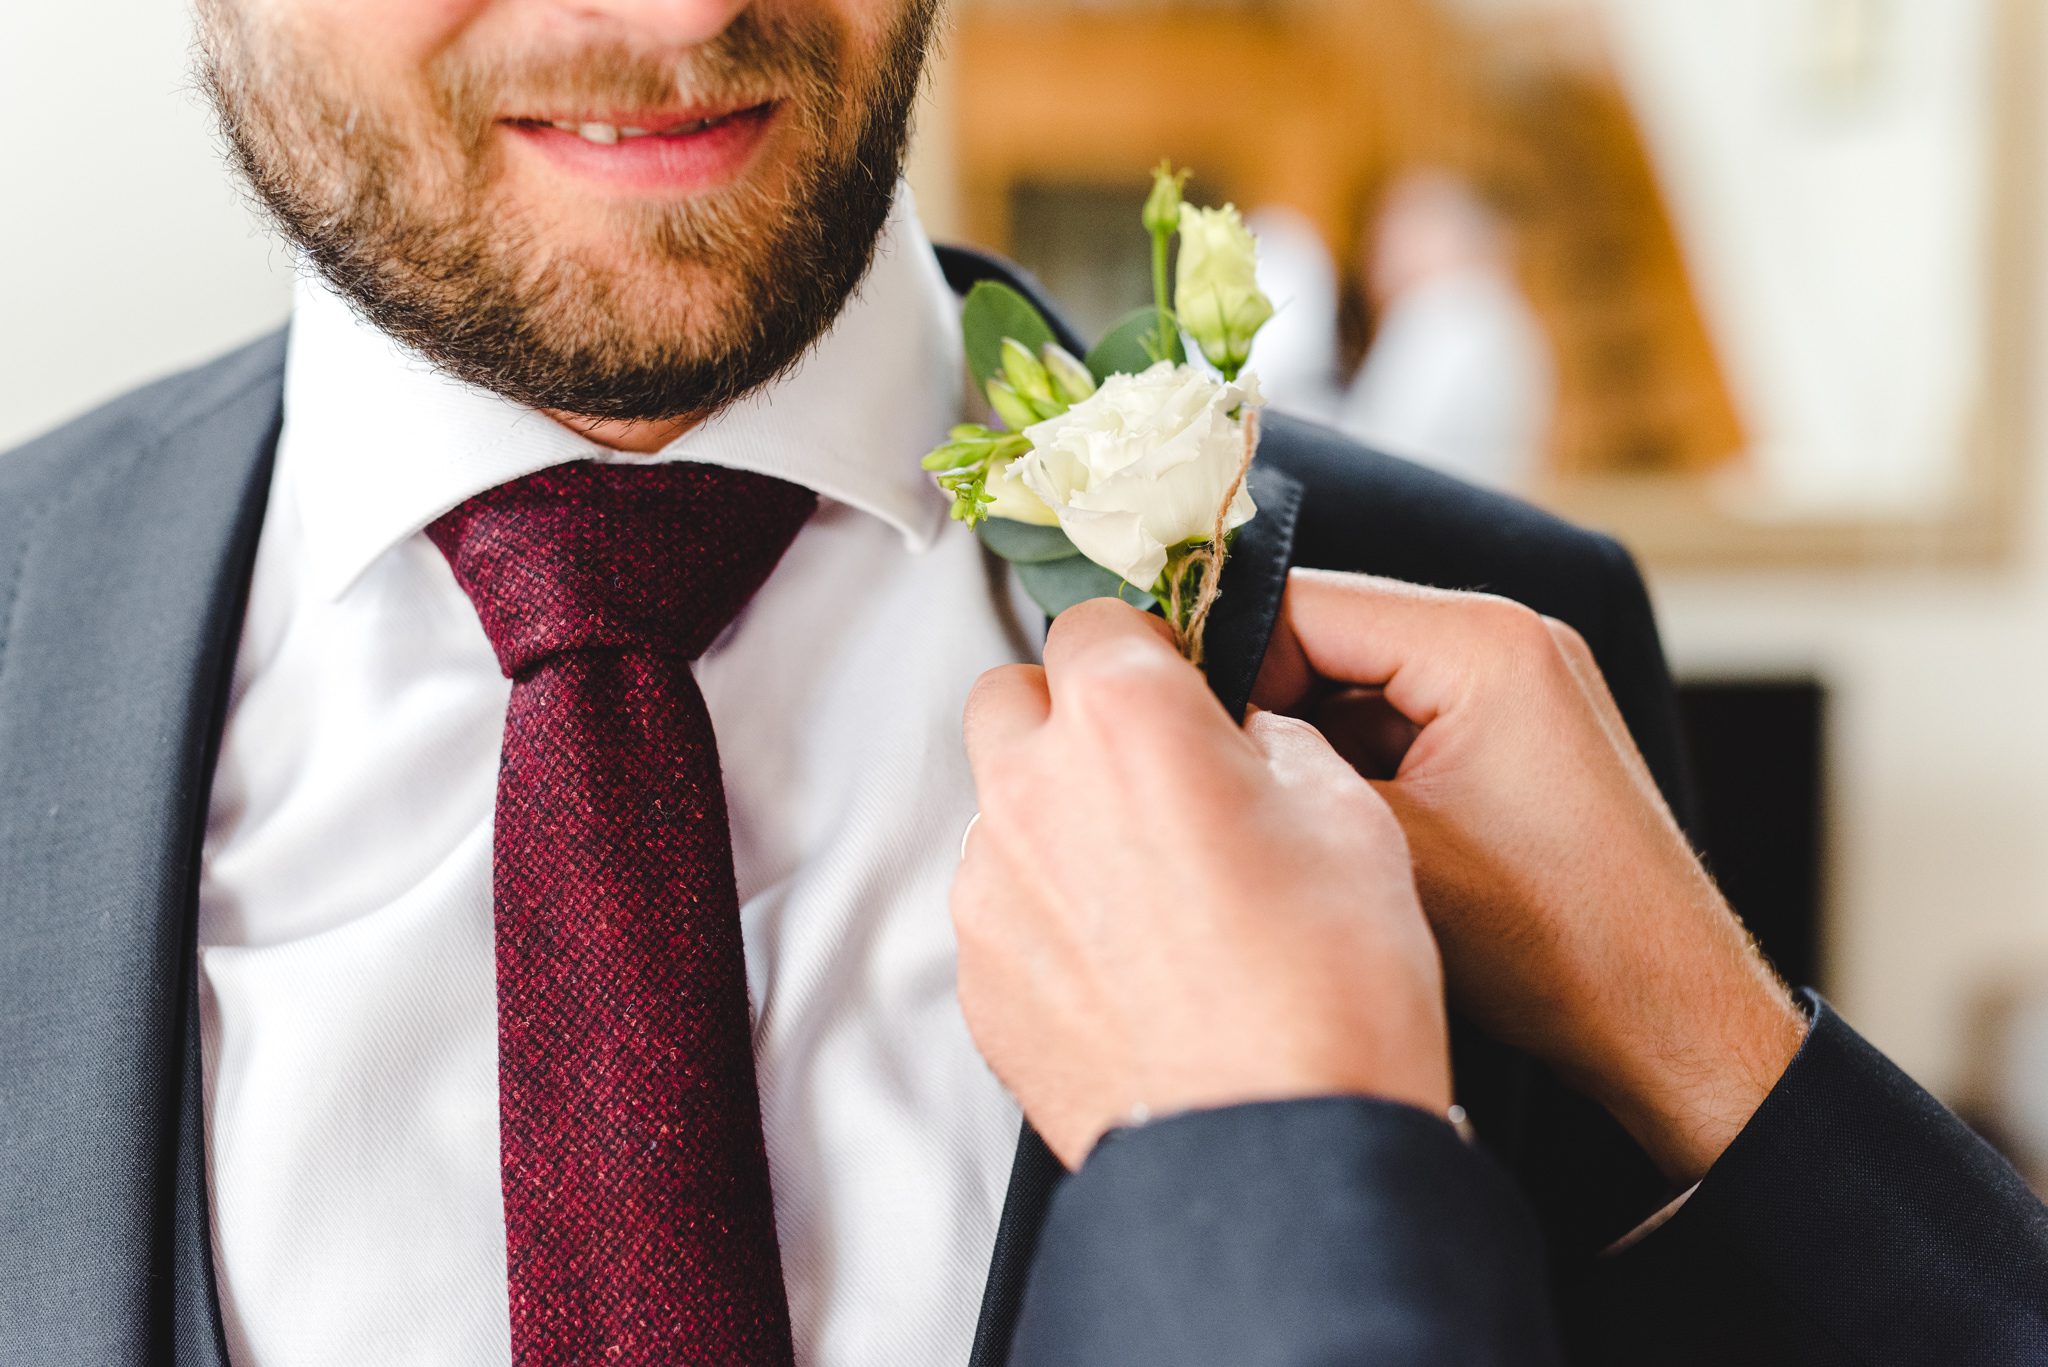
pixel 1425 649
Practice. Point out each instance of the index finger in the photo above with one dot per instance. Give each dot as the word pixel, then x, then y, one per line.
pixel 1104 638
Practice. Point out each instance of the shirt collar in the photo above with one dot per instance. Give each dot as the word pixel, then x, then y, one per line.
pixel 377 443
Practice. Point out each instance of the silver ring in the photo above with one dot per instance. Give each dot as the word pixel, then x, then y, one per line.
pixel 1462 1123
pixel 969 831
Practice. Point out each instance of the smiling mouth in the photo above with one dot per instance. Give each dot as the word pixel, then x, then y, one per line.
pixel 606 134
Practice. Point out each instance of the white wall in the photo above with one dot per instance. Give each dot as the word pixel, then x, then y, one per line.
pixel 124 253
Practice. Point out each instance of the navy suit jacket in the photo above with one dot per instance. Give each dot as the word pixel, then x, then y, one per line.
pixel 126 545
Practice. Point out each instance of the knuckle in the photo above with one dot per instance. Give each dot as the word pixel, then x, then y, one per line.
pixel 1094 610
pixel 989 690
pixel 1279 725
pixel 1568 640
pixel 987 680
pixel 1515 629
pixel 1007 787
pixel 1515 622
pixel 1564 633
pixel 1113 684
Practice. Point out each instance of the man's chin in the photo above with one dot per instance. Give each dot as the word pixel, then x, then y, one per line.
pixel 672 265
pixel 629 342
pixel 619 286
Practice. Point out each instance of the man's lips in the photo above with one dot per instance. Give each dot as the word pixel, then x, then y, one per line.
pixel 650 151
pixel 610 126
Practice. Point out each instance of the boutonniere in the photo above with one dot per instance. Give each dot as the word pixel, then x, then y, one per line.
pixel 1121 474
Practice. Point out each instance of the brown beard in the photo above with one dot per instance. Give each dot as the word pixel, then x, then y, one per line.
pixel 694 304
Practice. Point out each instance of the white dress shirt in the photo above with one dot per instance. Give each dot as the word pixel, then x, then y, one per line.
pixel 347 996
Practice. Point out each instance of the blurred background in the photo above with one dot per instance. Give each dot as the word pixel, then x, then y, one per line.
pixel 1752 284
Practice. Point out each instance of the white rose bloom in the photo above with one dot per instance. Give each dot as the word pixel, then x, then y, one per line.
pixel 1140 466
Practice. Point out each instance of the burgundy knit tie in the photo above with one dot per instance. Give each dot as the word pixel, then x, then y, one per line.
pixel 638 1225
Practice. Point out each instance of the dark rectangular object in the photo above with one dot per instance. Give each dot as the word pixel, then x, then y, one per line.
pixel 1757 748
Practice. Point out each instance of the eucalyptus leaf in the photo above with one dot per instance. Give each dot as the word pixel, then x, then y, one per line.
pixel 1122 349
pixel 1057 585
pixel 1025 543
pixel 992 312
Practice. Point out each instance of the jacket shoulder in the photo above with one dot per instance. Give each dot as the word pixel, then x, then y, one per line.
pixel 45 467
pixel 1365 511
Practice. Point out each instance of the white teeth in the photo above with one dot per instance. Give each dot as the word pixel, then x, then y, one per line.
pixel 610 133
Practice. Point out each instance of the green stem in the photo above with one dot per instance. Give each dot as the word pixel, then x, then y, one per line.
pixel 1159 299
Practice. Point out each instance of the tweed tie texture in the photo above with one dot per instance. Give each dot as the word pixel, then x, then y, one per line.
pixel 638 1224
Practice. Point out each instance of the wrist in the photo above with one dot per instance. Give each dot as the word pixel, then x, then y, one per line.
pixel 1398 1051
pixel 1692 1078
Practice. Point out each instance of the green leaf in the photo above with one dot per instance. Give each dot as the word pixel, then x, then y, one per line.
pixel 1025 543
pixel 1057 585
pixel 1122 350
pixel 991 313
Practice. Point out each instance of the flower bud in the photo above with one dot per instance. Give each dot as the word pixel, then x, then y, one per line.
pixel 1024 372
pixel 1162 206
pixel 1071 380
pixel 1217 294
pixel 954 455
pixel 1013 408
pixel 1009 497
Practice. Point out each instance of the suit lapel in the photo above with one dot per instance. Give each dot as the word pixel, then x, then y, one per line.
pixel 1254 578
pixel 119 648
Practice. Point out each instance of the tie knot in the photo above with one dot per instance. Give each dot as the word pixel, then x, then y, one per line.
pixel 586 556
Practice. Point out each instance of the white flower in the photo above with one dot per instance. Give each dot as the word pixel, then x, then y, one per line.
pixel 1216 292
pixel 1141 466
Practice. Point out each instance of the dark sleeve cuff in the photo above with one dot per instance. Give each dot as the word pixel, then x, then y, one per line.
pixel 1284 1233
pixel 1854 1218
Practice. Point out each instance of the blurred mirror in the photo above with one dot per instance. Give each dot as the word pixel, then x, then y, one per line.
pixel 1736 280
